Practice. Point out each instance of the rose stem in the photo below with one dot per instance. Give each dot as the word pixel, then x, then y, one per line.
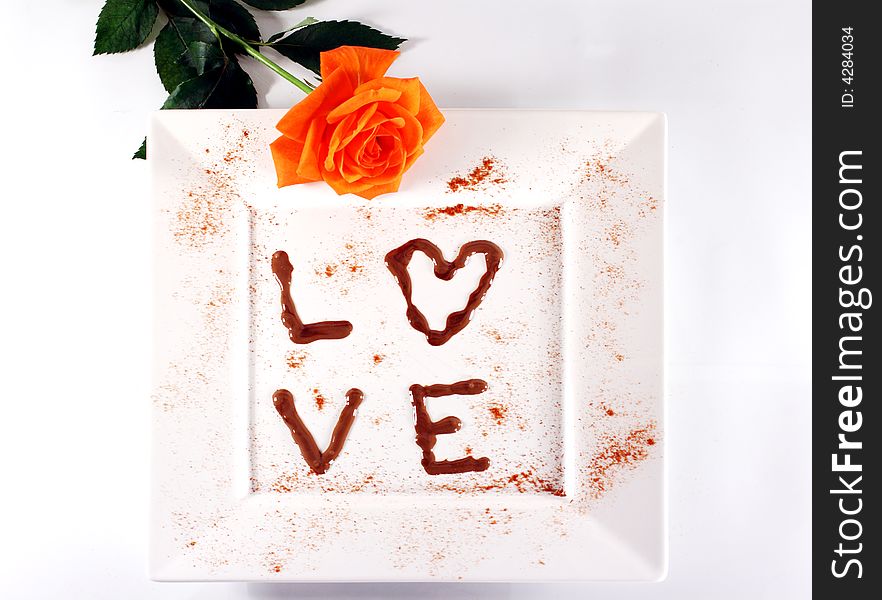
pixel 218 31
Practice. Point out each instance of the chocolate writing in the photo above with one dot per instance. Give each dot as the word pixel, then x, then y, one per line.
pixel 298 331
pixel 397 261
pixel 427 430
pixel 317 460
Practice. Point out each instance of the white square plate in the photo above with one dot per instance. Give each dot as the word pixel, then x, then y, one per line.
pixel 568 339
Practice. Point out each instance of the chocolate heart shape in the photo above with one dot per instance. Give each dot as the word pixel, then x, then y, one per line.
pixel 397 261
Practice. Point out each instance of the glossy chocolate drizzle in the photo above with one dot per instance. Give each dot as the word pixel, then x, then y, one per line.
pixel 298 331
pixel 427 430
pixel 397 261
pixel 317 460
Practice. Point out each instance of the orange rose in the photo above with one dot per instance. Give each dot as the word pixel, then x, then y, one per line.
pixel 358 131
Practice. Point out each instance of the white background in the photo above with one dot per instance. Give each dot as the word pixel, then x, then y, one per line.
pixel 734 79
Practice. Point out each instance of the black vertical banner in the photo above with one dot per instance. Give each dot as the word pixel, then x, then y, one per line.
pixel 846 366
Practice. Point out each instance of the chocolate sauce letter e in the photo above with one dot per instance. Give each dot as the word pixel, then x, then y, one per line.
pixel 427 430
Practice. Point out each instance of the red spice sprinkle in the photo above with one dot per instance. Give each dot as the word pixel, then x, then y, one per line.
pixel 491 210
pixel 277 568
pixel 616 453
pixel 468 450
pixel 483 173
pixel 378 358
pixel 526 478
pixel 523 482
pixel 296 359
pixel 610 412
pixel 614 234
pixel 604 171
pixel 331 269
pixel 650 203
pixel 619 357
pixel 319 399
pixel 498 412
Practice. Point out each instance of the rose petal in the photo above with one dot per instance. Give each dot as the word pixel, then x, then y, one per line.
pixel 409 88
pixel 365 149
pixel 351 168
pixel 393 172
pixel 387 188
pixel 337 137
pixel 348 175
pixel 379 119
pixel 341 186
pixel 358 100
pixel 330 93
pixel 371 161
pixel 361 187
pixel 411 131
pixel 363 157
pixel 429 115
pixel 351 172
pixel 286 156
pixel 363 120
pixel 357 63
pixel 411 158
pixel 309 159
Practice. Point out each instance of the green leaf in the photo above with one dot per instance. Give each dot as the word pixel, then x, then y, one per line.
pixel 229 14
pixel 172 43
pixel 123 25
pixel 225 87
pixel 203 57
pixel 304 45
pixel 142 151
pixel 274 4
pixel 303 23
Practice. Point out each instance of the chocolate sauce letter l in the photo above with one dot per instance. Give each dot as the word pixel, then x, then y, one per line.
pixel 298 331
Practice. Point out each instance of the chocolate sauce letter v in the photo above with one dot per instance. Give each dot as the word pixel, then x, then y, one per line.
pixel 298 331
pixel 427 430
pixel 397 262
pixel 318 461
